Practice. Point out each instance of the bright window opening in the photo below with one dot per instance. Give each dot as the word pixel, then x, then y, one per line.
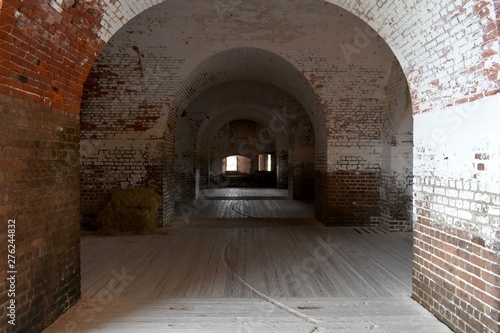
pixel 232 163
pixel 236 164
pixel 265 162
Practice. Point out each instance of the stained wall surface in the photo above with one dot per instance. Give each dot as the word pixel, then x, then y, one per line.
pixel 134 101
pixel 142 69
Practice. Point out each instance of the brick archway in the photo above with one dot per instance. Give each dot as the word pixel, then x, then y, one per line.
pixel 231 65
pixel 450 60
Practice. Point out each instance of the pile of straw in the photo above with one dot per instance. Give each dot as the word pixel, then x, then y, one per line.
pixel 133 210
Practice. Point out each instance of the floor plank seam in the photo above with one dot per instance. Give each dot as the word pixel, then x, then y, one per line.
pixel 258 293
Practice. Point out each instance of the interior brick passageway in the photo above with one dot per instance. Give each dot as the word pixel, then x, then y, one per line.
pixel 382 112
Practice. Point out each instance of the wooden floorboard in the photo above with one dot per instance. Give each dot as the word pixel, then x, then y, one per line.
pixel 298 261
pixel 247 193
pixel 309 278
pixel 389 315
pixel 232 209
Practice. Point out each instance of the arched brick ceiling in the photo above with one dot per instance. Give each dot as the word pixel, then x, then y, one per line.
pixel 250 64
pixel 263 103
pixel 49 51
pixel 207 133
pixel 240 108
pixel 423 42
pixel 166 56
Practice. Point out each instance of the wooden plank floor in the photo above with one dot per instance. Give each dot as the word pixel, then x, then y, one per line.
pixel 232 209
pixel 204 276
pixel 348 315
pixel 302 261
pixel 244 193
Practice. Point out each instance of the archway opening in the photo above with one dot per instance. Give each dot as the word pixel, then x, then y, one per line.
pixel 42 83
pixel 246 118
pixel 238 170
pixel 337 127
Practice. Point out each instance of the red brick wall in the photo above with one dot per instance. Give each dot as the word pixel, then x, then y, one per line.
pixel 47 53
pixel 39 190
pixel 424 42
pixel 124 164
pixel 348 198
pixel 457 277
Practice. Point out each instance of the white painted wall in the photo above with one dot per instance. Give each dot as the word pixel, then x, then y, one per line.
pixel 450 146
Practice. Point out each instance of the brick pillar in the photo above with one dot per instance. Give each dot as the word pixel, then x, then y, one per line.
pixel 40 191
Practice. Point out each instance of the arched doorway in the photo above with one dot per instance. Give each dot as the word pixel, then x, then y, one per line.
pixel 258 117
pixel 61 94
pixel 349 114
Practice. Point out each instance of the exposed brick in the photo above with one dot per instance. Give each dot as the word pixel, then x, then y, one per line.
pixel 34 183
pixel 449 53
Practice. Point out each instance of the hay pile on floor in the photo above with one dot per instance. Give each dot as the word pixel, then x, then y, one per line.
pixel 132 211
